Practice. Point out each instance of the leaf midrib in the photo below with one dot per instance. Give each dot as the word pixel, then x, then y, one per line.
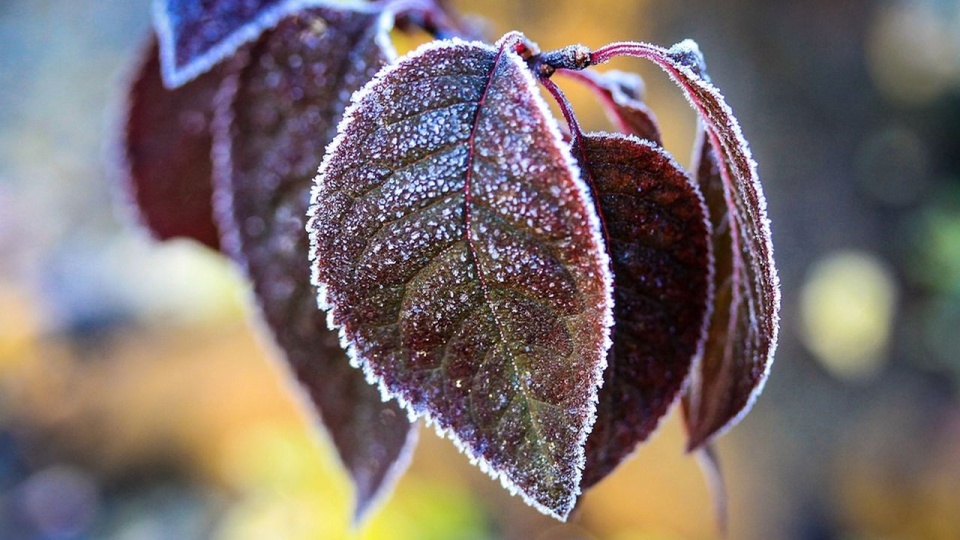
pixel 484 286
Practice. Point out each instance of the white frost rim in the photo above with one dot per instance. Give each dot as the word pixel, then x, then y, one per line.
pixel 174 75
pixel 589 211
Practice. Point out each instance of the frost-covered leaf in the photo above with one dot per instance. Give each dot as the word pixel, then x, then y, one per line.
pixel 621 95
pixel 461 256
pixel 658 240
pixel 197 34
pixel 274 119
pixel 743 333
pixel 730 371
pixel 165 148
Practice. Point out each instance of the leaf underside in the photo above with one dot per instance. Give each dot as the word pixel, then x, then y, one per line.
pixel 742 335
pixel 657 237
pixel 731 368
pixel 275 117
pixel 461 256
pixel 196 35
pixel 166 152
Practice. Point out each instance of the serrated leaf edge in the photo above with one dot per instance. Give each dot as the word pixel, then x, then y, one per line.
pixel 594 223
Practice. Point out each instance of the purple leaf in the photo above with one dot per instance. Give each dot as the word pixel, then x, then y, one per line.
pixel 166 153
pixel 658 240
pixel 743 333
pixel 195 35
pixel 274 119
pixel 729 373
pixel 462 258
pixel 621 95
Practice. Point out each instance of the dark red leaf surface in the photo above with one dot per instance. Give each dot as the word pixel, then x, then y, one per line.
pixel 730 373
pixel 621 95
pixel 461 255
pixel 197 34
pixel 166 152
pixel 658 240
pixel 275 117
pixel 743 333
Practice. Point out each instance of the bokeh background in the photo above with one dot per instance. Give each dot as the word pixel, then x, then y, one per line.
pixel 139 401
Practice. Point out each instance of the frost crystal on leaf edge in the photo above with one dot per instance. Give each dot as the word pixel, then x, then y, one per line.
pixel 594 225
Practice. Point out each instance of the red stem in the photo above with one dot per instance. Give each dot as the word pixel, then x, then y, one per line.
pixel 589 79
pixel 628 48
pixel 576 135
pixel 566 108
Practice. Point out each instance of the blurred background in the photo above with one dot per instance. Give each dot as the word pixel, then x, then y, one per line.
pixel 137 400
